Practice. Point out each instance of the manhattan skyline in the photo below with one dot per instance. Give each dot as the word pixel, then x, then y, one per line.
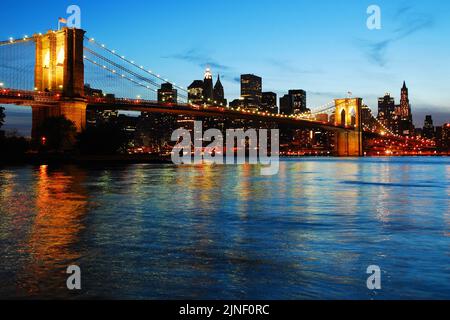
pixel 324 48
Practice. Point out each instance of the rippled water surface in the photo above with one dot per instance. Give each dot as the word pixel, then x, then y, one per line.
pixel 226 232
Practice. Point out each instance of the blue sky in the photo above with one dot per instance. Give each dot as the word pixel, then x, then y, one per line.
pixel 321 46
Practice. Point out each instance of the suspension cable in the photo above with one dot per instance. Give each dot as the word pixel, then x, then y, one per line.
pixel 113 52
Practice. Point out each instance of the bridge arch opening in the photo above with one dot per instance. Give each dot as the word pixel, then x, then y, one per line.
pixel 352 116
pixel 343 121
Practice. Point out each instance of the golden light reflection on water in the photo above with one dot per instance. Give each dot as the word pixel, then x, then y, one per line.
pixel 198 228
pixel 60 208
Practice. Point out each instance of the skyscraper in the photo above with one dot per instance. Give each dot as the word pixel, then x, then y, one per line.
pixel 195 92
pixel 294 102
pixel 404 113
pixel 298 101
pixel 167 94
pixel 405 107
pixel 208 91
pixel 386 110
pixel 203 91
pixel 446 137
pixel 251 91
pixel 218 93
pixel 269 102
pixel 286 105
pixel 428 128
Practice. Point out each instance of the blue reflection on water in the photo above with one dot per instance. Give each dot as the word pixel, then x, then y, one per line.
pixel 225 232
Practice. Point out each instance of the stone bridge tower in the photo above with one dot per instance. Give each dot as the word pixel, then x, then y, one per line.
pixel 348 117
pixel 59 69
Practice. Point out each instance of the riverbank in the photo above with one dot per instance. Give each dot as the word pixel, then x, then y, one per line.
pixel 86 159
pixel 39 159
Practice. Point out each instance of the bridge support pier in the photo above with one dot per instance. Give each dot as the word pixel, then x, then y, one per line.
pixel 349 144
pixel 74 111
pixel 59 69
pixel 348 117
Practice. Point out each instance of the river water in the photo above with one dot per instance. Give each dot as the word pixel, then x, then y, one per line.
pixel 226 232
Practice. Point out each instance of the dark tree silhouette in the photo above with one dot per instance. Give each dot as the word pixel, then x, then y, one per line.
pixel 103 139
pixel 13 146
pixel 57 134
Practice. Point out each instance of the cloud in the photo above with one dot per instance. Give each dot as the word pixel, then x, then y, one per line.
pixel 325 94
pixel 289 67
pixel 440 114
pixel 200 58
pixel 409 23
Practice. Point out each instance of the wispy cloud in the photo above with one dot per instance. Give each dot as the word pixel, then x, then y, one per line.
pixel 408 23
pixel 287 66
pixel 325 94
pixel 201 59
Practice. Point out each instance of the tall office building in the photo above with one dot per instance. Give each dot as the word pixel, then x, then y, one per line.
pixel 428 128
pixel 446 137
pixel 293 103
pixel 298 101
pixel 195 92
pixel 285 105
pixel 404 113
pixel 251 91
pixel 386 110
pixel 167 94
pixel 269 102
pixel 208 91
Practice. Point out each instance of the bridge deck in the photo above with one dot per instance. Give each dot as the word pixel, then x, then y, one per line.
pixel 32 98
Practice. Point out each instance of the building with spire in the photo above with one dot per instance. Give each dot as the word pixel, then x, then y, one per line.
pixel 404 114
pixel 203 91
pixel 218 93
pixel 208 90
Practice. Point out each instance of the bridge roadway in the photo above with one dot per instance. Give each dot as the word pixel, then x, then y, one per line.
pixel 32 98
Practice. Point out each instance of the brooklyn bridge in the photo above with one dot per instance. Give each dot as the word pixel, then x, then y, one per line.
pixel 63 62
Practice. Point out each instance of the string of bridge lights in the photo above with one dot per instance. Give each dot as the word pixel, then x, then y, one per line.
pixel 382 125
pixel 126 70
pixel 328 106
pixel 122 57
pixel 11 40
pixel 322 108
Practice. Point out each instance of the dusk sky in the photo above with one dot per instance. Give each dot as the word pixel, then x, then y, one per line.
pixel 323 47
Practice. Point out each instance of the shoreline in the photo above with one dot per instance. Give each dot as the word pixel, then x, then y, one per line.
pixel 41 159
